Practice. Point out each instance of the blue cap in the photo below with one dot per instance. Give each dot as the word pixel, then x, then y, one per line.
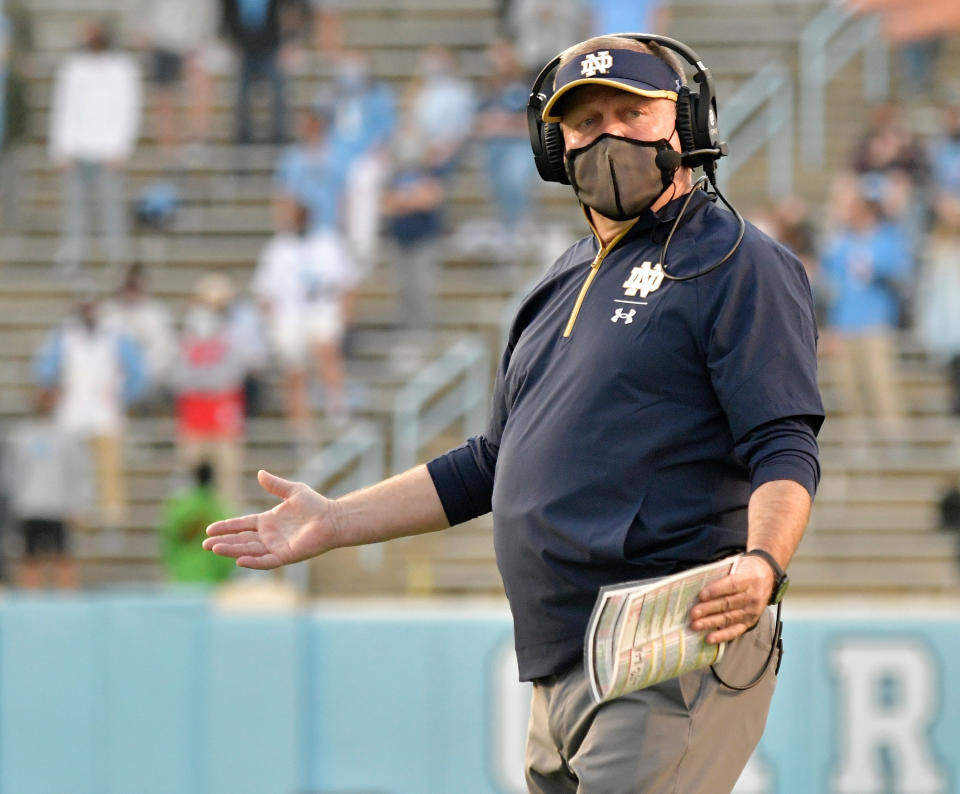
pixel 637 72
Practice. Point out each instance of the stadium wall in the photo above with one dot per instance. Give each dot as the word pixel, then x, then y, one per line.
pixel 136 693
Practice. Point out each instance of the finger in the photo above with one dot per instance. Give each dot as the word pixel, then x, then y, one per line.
pixel 275 485
pixel 254 549
pixel 239 537
pixel 727 634
pixel 264 562
pixel 230 525
pixel 721 620
pixel 727 603
pixel 721 587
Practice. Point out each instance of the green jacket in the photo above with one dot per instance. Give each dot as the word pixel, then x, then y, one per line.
pixel 185 519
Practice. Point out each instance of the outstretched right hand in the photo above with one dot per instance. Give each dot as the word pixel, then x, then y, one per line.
pixel 303 525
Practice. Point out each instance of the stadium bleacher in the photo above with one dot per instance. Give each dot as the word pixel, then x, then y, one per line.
pixel 873 528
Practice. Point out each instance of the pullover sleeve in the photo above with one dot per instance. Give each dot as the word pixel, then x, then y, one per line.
pixel 760 339
pixel 463 478
pixel 784 449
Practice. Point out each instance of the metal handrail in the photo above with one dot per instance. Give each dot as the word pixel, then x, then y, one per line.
pixel 454 386
pixel 359 454
pixel 829 41
pixel 761 113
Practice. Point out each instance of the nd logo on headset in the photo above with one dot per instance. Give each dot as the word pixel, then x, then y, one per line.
pixel 696 117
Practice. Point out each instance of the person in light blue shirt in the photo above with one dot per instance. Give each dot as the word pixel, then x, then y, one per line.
pixel 364 121
pixel 314 170
pixel 867 265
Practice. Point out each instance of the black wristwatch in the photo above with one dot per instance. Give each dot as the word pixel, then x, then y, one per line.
pixel 780 579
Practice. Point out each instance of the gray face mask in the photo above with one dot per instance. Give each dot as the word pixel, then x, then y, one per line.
pixel 618 177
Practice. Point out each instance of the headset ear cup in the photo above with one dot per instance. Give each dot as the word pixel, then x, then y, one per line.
pixel 553 150
pixel 685 117
pixel 703 131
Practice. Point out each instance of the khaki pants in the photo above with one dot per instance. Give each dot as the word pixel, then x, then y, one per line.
pixel 864 368
pixel 111 483
pixel 688 735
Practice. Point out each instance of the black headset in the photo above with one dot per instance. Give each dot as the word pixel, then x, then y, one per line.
pixel 700 142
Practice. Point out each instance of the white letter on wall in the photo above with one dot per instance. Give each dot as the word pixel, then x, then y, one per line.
pixel 511 714
pixel 887 693
pixel 755 778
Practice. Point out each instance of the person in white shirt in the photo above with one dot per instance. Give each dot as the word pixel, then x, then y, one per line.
pixel 94 123
pixel 96 372
pixel 47 474
pixel 300 282
pixel 148 321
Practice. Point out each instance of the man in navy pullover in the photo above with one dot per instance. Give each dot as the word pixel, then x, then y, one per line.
pixel 640 426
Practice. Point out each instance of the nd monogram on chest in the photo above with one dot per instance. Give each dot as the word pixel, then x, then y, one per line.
pixel 641 282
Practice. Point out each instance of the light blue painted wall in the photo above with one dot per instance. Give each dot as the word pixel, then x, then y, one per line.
pixel 136 693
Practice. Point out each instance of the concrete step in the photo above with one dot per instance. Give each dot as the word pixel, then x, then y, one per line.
pixel 873 577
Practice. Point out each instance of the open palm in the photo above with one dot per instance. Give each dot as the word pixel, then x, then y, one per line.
pixel 300 527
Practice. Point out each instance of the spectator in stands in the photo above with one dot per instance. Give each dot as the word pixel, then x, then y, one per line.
pixel 364 119
pixel 149 322
pixel 945 154
pixel 895 160
pixel 300 282
pixel 180 35
pixel 185 517
pixel 46 473
pixel 648 16
pixel 208 379
pixel 327 26
pixel 865 264
pixel 16 43
pixel 264 34
pixel 938 321
pixel 94 123
pixel 502 128
pixel 249 336
pixel 949 506
pixel 413 206
pixel 312 173
pixel 441 109
pixel 97 372
pixel 539 27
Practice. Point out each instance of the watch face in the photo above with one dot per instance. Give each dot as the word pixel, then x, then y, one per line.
pixel 779 589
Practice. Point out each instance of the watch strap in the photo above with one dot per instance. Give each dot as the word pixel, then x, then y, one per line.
pixel 780 578
pixel 778 572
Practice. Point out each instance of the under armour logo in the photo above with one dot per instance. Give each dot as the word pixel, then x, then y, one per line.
pixel 626 316
pixel 644 279
pixel 596 62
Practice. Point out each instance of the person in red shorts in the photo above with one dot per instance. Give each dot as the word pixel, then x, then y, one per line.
pixel 208 382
